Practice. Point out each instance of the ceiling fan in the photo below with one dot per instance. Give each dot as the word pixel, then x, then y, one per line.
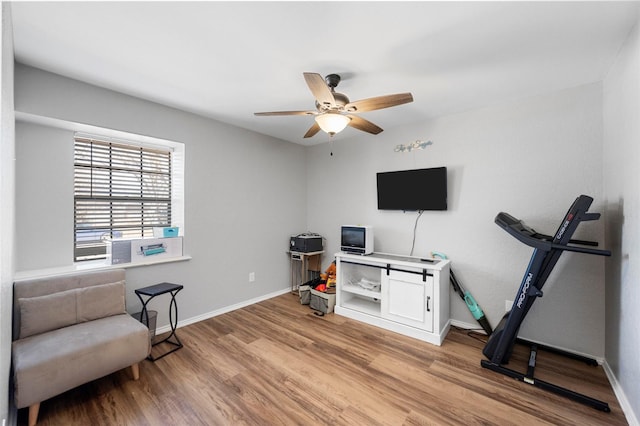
pixel 334 111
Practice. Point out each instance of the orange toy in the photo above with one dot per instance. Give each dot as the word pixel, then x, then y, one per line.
pixel 330 275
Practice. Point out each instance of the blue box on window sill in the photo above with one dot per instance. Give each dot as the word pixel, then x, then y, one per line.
pixel 166 232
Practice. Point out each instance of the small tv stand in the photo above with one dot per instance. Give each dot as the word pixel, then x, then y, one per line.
pixel 405 294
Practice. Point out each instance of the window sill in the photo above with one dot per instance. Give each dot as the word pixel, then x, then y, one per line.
pixel 89 266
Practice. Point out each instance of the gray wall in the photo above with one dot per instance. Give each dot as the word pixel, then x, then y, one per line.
pixel 243 193
pixel 6 205
pixel 622 197
pixel 529 158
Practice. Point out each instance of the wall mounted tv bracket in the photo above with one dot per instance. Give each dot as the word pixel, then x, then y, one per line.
pixel 547 251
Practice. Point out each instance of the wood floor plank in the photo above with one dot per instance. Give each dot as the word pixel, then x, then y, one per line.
pixel 276 363
pixel 323 380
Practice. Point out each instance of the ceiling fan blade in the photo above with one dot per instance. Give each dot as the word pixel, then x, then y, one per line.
pixel 319 88
pixel 312 130
pixel 286 113
pixel 364 125
pixel 378 102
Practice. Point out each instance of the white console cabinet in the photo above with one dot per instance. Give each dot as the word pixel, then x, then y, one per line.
pixel 408 295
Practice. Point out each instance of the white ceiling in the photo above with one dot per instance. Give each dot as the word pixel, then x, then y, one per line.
pixel 227 60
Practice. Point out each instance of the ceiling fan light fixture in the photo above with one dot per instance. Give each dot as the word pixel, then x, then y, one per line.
pixel 333 110
pixel 332 122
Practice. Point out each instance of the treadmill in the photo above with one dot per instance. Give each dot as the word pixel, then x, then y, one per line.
pixel 547 251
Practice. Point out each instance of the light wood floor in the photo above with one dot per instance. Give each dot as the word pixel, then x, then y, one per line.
pixel 276 363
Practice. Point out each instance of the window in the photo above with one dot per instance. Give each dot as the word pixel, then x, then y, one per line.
pixel 120 190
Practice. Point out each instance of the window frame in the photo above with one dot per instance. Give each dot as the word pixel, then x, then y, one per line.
pixel 172 183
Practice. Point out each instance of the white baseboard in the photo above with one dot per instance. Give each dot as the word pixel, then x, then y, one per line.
pixel 467 326
pixel 224 310
pixel 627 408
pixel 598 359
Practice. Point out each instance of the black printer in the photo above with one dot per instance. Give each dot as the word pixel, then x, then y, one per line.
pixel 306 243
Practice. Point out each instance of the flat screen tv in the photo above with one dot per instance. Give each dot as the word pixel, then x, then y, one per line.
pixel 409 190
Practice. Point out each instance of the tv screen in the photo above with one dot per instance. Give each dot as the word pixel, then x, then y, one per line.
pixel 352 236
pixel 420 189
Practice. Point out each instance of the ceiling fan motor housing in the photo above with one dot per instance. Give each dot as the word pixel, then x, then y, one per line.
pixel 332 80
pixel 340 101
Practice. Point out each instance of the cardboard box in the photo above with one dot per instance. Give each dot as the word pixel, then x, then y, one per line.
pixel 141 250
pixel 149 249
pixel 313 263
pixel 166 232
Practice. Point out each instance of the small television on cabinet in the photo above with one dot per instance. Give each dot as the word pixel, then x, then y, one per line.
pixel 419 189
pixel 356 239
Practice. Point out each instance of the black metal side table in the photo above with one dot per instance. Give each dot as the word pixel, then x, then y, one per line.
pixel 153 291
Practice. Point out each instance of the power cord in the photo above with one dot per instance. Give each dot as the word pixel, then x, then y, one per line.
pixel 415 226
pixel 474 333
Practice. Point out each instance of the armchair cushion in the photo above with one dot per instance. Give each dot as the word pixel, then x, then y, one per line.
pixel 100 301
pixel 46 313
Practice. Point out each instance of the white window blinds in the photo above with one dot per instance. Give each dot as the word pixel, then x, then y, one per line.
pixel 120 190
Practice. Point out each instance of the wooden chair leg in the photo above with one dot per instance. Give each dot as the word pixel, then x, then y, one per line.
pixel 33 413
pixel 135 371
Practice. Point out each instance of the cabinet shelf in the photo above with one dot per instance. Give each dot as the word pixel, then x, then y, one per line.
pixel 354 289
pixel 367 306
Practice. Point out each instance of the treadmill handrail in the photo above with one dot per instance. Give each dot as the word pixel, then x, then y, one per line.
pixel 546 237
pixel 523 233
pixel 581 249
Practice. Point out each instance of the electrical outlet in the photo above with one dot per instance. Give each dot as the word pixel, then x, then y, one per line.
pixel 252 277
pixel 507 305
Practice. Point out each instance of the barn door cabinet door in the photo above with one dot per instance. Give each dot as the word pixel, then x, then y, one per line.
pixel 408 299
